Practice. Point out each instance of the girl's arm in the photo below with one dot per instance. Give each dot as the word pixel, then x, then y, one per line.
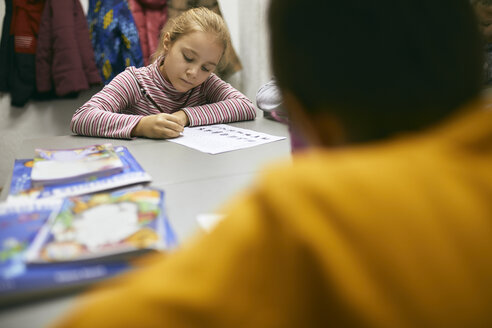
pixel 224 104
pixel 102 115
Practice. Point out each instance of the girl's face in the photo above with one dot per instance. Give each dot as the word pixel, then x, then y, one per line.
pixel 190 60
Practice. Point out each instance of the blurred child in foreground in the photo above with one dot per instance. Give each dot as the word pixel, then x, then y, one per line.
pixel 392 228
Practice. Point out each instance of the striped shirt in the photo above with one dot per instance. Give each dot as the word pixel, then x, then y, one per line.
pixel 115 110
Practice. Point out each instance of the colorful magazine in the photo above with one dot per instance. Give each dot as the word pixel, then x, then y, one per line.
pixel 21 187
pixel 34 283
pixel 56 166
pixel 19 224
pixel 104 226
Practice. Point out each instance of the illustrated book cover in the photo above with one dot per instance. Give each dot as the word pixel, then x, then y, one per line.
pixel 104 226
pixel 56 166
pixel 22 188
pixel 22 222
pixel 19 224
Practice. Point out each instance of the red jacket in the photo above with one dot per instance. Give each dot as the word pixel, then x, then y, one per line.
pixel 149 16
pixel 25 24
pixel 18 47
pixel 64 56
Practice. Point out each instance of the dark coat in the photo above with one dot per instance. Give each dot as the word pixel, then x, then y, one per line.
pixel 64 56
pixel 6 49
pixel 18 48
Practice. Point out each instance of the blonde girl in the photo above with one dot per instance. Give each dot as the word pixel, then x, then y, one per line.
pixel 177 89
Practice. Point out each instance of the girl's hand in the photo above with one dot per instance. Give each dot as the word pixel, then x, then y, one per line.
pixel 160 126
pixel 183 118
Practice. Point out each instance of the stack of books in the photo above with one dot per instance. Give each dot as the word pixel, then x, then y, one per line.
pixel 76 216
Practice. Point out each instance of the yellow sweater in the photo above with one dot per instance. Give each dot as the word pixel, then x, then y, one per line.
pixel 390 234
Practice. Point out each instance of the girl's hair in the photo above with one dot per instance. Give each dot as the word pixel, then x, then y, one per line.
pixel 198 19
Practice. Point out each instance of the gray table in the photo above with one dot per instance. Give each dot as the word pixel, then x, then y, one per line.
pixel 194 183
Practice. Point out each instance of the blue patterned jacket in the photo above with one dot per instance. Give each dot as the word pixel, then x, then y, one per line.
pixel 114 37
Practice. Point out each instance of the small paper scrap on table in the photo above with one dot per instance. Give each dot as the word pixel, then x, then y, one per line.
pixel 220 138
pixel 208 221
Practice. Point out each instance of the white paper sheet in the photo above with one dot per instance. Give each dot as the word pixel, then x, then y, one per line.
pixel 208 221
pixel 219 138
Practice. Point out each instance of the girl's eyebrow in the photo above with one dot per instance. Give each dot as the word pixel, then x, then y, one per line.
pixel 196 54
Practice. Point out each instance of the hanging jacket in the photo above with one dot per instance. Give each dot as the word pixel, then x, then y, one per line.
pixel 18 73
pixel 64 57
pixel 6 50
pixel 150 17
pixel 114 37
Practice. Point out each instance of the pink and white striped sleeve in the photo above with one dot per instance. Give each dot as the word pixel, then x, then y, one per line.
pixel 224 104
pixel 102 115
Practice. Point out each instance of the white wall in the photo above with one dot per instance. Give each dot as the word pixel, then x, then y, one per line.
pixel 246 21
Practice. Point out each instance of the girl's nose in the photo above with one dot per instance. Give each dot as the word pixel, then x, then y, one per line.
pixel 192 71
